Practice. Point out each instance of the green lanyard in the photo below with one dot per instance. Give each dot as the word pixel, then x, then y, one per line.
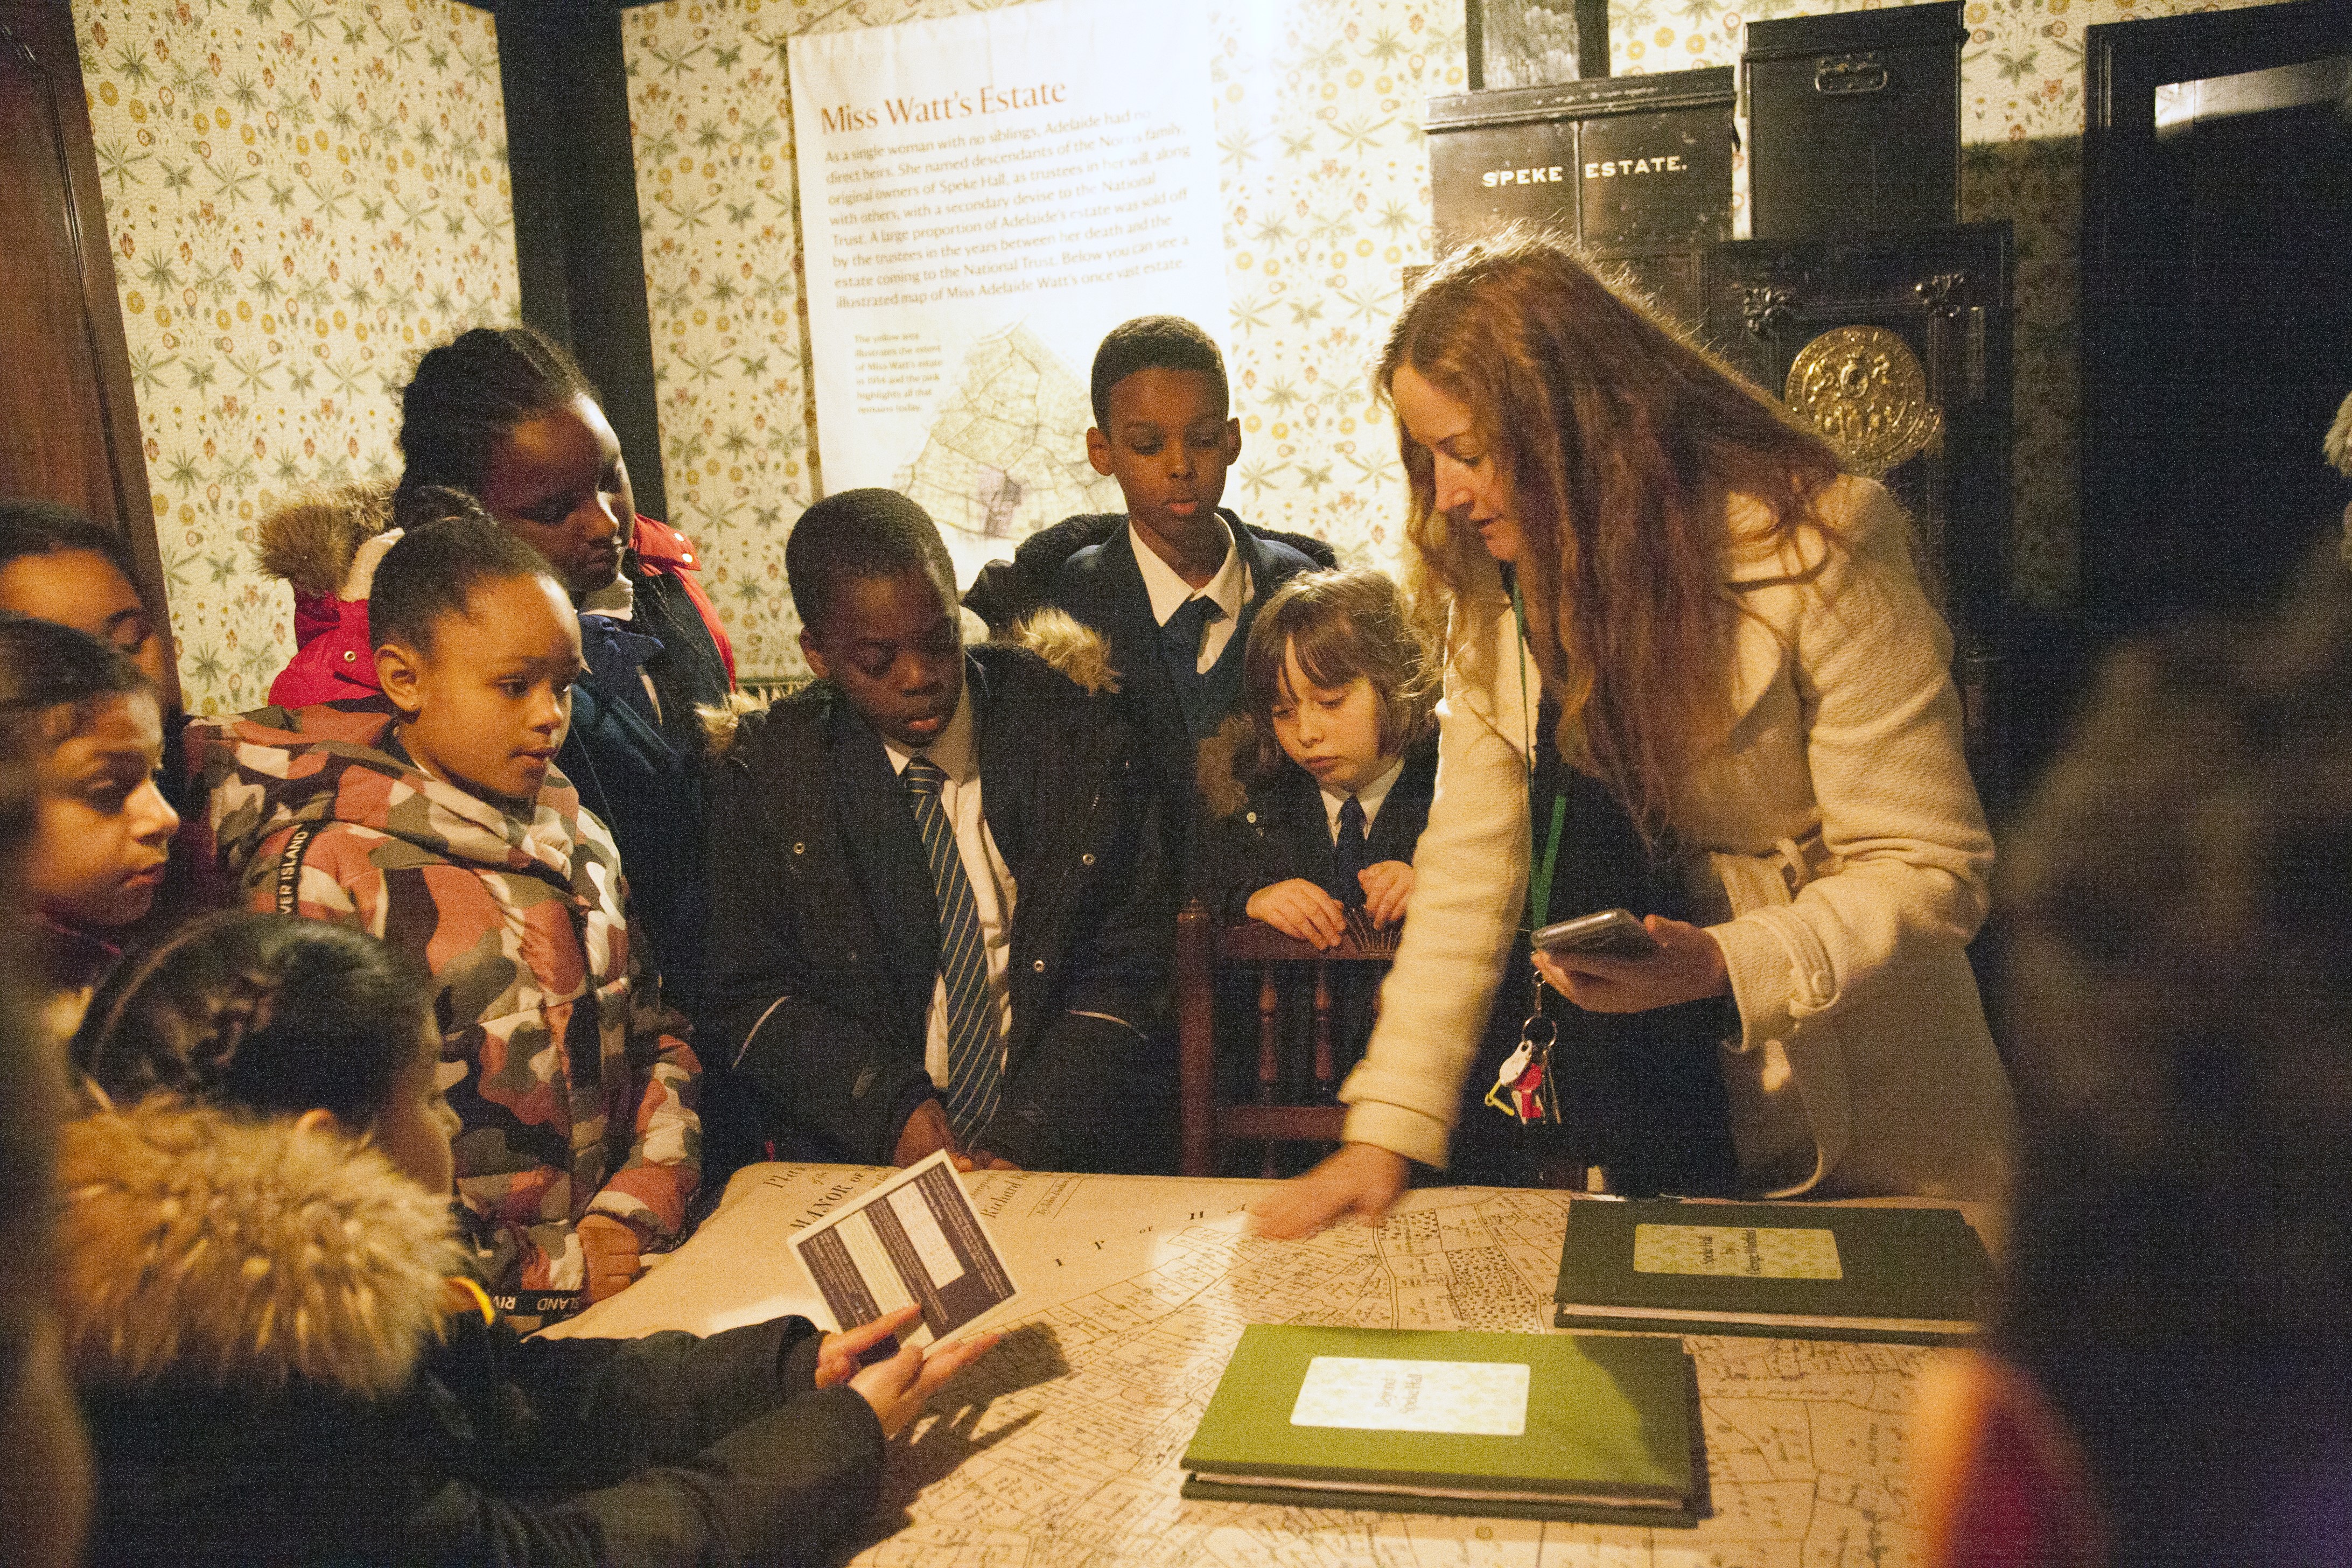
pixel 1539 883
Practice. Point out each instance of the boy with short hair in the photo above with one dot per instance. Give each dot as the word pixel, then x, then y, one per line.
pixel 1173 592
pixel 938 917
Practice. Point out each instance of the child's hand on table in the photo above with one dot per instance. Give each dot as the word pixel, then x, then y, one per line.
pixel 926 1132
pixel 1301 911
pixel 609 1248
pixel 1386 884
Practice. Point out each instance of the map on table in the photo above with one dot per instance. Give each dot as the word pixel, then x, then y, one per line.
pixel 1060 1448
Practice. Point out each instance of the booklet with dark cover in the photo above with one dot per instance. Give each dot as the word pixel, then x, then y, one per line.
pixel 1520 1425
pixel 1794 1270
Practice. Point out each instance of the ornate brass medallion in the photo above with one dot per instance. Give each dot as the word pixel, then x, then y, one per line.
pixel 1863 389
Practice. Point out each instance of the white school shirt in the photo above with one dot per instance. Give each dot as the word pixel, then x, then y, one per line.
pixel 1230 589
pixel 1370 797
pixel 957 754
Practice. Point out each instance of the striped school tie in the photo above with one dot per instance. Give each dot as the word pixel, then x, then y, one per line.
pixel 974 1071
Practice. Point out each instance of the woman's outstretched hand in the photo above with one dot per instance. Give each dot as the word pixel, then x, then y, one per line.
pixel 1688 967
pixel 1362 1179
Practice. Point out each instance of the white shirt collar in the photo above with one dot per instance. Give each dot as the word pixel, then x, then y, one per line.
pixel 1229 589
pixel 1370 797
pixel 957 750
pixel 617 598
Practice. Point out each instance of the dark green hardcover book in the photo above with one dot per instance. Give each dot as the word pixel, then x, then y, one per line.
pixel 1793 1270
pixel 1521 1425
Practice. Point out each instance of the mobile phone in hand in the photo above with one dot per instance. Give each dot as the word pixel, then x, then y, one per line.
pixel 1616 933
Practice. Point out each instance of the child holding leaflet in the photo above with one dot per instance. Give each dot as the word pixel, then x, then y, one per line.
pixel 274 1096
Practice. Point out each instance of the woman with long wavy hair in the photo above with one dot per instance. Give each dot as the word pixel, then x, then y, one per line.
pixel 1690 670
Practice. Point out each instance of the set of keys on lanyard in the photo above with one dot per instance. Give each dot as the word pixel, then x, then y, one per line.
pixel 1524 1085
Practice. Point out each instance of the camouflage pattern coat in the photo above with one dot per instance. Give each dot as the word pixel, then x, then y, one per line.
pixel 574 1084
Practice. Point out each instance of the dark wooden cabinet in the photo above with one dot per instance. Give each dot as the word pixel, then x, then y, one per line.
pixel 68 427
pixel 1635 170
pixel 1897 346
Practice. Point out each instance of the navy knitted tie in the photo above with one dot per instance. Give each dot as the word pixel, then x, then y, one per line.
pixel 973 1069
pixel 1349 852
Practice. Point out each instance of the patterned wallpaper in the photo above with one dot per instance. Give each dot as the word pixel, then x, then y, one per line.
pixel 301 195
pixel 1326 195
pixel 1326 192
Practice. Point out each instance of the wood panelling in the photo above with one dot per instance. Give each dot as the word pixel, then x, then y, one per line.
pixel 69 427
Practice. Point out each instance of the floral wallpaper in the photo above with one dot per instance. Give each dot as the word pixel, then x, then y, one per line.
pixel 1326 191
pixel 2021 134
pixel 301 195
pixel 1326 195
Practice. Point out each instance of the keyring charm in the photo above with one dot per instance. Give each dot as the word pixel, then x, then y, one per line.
pixel 1523 1083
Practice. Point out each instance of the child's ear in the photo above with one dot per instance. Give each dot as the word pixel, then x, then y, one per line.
pixel 809 652
pixel 1233 439
pixel 1099 450
pixel 398 671
pixel 318 1119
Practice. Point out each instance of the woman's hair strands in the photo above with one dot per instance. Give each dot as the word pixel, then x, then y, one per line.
pixel 1621 441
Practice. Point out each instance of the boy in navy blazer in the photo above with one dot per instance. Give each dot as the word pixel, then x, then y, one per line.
pixel 1173 592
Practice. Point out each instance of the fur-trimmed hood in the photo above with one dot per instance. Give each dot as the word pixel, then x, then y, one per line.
pixel 202 1246
pixel 1225 764
pixel 313 540
pixel 2338 446
pixel 1077 650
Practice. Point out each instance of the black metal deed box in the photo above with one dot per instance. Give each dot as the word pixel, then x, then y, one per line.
pixel 1637 168
pixel 1854 120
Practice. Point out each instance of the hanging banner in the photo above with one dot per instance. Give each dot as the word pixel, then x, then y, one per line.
pixel 982 198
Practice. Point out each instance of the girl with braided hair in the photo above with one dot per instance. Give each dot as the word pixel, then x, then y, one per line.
pixel 83 718
pixel 279 1360
pixel 502 416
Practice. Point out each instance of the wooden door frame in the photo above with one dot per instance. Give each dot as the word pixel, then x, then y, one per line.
pixel 39 34
pixel 2124 296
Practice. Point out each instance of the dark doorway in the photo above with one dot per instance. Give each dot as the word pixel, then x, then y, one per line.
pixel 2216 302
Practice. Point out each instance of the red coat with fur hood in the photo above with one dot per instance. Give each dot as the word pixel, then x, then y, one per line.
pixel 327 546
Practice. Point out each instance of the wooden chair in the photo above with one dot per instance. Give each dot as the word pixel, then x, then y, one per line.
pixel 1308 1059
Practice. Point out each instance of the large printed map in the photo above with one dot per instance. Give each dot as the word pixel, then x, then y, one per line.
pixel 1007 453
pixel 1060 1450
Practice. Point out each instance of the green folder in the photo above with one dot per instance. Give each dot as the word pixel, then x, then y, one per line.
pixel 1520 1425
pixel 1792 1270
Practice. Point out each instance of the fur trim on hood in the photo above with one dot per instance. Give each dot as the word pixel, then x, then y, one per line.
pixel 1070 646
pixel 720 720
pixel 2337 448
pixel 312 540
pixel 203 1246
pixel 1225 765
pixel 1077 650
